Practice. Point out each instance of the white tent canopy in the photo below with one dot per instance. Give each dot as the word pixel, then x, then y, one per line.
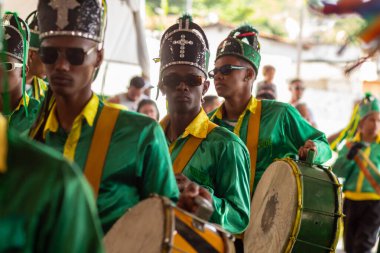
pixel 125 41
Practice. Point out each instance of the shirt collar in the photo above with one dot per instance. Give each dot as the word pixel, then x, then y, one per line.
pixel 357 138
pixel 3 144
pixel 88 113
pixel 197 128
pixel 251 106
pixel 21 103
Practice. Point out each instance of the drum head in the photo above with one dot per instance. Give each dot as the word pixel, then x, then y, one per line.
pixel 141 229
pixel 273 210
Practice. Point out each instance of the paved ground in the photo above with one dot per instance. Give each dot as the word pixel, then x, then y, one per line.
pixel 340 248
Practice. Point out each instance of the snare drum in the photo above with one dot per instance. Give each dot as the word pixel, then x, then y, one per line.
pixel 297 207
pixel 155 225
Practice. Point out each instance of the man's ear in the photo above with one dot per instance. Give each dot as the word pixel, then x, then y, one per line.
pixel 251 74
pixel 206 85
pixel 99 58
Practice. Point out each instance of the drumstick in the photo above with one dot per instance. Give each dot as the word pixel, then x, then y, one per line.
pixel 370 163
pixel 367 174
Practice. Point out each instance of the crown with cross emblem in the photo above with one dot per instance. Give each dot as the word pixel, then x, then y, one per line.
pixel 13 40
pixel 184 43
pixel 78 18
pixel 243 43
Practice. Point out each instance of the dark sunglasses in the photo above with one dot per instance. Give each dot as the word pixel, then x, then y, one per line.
pixel 74 55
pixel 225 70
pixel 173 80
pixel 10 66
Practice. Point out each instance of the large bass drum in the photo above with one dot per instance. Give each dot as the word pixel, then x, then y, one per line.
pixel 155 225
pixel 297 207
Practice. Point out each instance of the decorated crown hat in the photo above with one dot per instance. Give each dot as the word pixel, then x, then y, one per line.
pixel 184 43
pixel 368 105
pixel 243 43
pixel 32 21
pixel 15 30
pixel 78 18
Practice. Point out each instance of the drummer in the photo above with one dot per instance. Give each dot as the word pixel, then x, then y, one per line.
pixel 200 150
pixel 270 129
pixel 362 203
pixel 131 162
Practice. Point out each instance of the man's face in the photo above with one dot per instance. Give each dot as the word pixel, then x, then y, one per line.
pixel 65 77
pixel 229 85
pixel 297 90
pixel 134 93
pixel 370 125
pixel 36 67
pixel 14 76
pixel 269 75
pixel 184 87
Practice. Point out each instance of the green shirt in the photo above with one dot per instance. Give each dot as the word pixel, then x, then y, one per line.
pixel 282 132
pixel 18 119
pixel 221 165
pixel 356 186
pixel 137 163
pixel 45 204
pixel 38 88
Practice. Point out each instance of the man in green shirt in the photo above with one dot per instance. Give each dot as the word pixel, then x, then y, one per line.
pixel 270 129
pixel 122 154
pixel 208 155
pixel 279 130
pixel 45 205
pixel 15 32
pixel 36 86
pixel 362 202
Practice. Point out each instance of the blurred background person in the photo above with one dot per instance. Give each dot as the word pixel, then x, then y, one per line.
pixel 132 97
pixel 149 108
pixel 305 113
pixel 267 86
pixel 211 102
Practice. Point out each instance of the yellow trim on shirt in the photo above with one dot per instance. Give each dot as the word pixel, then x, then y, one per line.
pixel 88 113
pixel 197 128
pixel 361 196
pixel 21 103
pixel 251 106
pixel 3 144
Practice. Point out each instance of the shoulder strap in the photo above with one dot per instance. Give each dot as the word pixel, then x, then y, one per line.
pixel 99 146
pixel 252 141
pixel 189 149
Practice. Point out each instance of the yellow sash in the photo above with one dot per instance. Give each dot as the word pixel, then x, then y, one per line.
pixel 188 150
pixel 252 134
pixel 3 144
pixel 253 140
pixel 99 146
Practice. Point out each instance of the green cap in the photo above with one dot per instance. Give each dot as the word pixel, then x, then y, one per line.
pixel 243 43
pixel 368 105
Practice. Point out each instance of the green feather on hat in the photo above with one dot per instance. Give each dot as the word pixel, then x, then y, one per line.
pixel 243 43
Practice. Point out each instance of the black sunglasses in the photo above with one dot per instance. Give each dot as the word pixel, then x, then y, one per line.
pixel 10 66
pixel 173 80
pixel 225 70
pixel 74 55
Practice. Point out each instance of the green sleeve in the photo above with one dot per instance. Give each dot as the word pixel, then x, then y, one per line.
pixel 154 164
pixel 231 196
pixel 70 222
pixel 297 131
pixel 342 166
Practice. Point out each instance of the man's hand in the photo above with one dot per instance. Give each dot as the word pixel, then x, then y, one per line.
pixel 354 149
pixel 189 192
pixel 309 145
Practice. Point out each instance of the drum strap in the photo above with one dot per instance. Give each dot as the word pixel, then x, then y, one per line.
pixel 99 146
pixel 189 149
pixel 252 140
